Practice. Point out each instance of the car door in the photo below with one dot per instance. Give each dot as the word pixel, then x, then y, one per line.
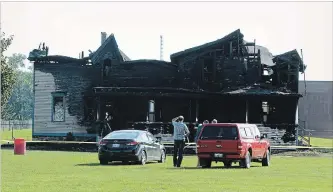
pixel 154 146
pixel 258 144
pixel 147 145
pixel 262 143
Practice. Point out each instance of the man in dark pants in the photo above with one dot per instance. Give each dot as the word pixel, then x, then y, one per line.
pixel 179 134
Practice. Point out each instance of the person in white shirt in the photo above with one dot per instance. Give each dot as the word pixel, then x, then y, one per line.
pixel 179 134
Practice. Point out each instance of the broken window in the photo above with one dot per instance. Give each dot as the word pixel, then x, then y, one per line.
pixel 107 67
pixel 208 70
pixel 88 108
pixel 58 107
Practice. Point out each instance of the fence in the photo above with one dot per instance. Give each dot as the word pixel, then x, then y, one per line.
pixel 15 124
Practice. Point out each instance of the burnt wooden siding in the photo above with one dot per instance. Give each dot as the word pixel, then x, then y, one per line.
pixel 315 108
pixel 75 81
pixel 142 73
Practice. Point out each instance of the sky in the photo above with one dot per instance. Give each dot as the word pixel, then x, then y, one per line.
pixel 71 27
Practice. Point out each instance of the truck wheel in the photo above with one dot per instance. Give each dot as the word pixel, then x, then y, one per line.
pixel 205 163
pixel 103 162
pixel 266 161
pixel 246 163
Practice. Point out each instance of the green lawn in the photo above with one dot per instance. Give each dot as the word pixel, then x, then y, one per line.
pixel 23 133
pixel 321 142
pixel 80 172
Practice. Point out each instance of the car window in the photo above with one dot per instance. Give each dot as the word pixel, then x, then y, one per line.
pixel 256 131
pixel 242 132
pixel 144 138
pixel 150 137
pixel 122 135
pixel 219 132
pixel 249 133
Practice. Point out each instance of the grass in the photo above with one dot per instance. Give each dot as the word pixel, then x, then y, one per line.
pixel 81 172
pixel 19 133
pixel 321 142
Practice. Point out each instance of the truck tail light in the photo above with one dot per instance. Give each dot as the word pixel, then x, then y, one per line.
pixel 200 145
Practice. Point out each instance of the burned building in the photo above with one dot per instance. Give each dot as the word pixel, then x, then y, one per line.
pixel 228 79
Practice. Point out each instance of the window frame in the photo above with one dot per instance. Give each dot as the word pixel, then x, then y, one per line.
pixel 60 95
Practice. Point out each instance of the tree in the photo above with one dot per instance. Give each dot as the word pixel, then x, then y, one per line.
pixel 7 73
pixel 16 60
pixel 20 104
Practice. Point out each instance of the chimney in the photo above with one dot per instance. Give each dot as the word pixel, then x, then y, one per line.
pixel 103 37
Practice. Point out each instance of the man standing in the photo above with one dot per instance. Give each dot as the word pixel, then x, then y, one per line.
pixel 180 132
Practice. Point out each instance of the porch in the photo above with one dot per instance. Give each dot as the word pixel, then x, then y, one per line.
pixel 128 105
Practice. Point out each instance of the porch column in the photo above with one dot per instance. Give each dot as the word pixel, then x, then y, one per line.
pixel 98 107
pixel 196 110
pixel 151 111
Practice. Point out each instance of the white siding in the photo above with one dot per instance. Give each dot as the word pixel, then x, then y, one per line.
pixel 44 86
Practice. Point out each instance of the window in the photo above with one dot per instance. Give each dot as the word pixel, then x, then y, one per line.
pixel 256 132
pixel 122 135
pixel 248 132
pixel 107 67
pixel 143 138
pixel 89 114
pixel 219 132
pixel 208 70
pixel 58 107
pixel 242 133
pixel 151 137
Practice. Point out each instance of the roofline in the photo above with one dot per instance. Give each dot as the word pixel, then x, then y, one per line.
pixel 212 43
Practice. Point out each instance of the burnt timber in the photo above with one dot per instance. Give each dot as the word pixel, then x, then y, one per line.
pixel 229 79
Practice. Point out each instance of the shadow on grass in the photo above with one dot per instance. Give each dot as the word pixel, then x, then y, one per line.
pixel 214 167
pixel 110 164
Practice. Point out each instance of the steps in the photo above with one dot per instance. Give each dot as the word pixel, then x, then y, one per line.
pixel 274 136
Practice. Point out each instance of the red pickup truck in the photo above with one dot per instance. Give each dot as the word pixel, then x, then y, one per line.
pixel 228 143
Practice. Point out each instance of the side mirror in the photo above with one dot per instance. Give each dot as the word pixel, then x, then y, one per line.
pixel 157 140
pixel 263 136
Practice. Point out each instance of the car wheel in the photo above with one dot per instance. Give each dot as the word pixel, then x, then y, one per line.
pixel 266 161
pixel 205 163
pixel 227 164
pixel 103 162
pixel 143 158
pixel 246 163
pixel 162 159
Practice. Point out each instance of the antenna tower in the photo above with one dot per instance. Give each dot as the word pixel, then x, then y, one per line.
pixel 161 47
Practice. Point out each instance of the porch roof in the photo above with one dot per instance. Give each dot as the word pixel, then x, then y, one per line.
pixel 180 92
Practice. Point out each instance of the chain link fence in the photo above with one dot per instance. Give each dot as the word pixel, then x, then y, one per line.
pixel 16 129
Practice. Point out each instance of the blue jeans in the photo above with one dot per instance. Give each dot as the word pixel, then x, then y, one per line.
pixel 178 149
